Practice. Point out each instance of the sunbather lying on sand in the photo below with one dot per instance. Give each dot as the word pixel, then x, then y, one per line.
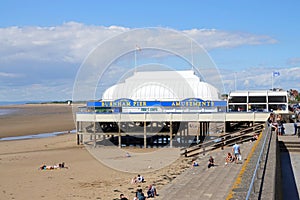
pixel 50 167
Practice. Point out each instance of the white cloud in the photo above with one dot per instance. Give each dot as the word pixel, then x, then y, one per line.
pixel 9 75
pixel 72 41
pixel 33 58
pixel 211 38
pixel 260 78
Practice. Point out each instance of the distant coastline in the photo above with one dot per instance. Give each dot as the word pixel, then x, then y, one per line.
pixel 8 103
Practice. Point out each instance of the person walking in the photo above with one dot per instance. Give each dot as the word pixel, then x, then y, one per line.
pixel 236 152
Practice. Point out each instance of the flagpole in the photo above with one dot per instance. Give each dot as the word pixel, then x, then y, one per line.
pixel 192 55
pixel 272 80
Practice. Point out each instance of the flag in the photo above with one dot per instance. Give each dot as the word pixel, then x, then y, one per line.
pixel 276 74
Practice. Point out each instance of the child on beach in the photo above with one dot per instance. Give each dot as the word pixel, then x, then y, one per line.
pixel 194 163
pixel 229 158
pixel 210 162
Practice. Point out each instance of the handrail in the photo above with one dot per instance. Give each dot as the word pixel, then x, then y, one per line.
pixel 234 136
pixel 269 132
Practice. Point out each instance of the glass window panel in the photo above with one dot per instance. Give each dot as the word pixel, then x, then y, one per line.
pixel 257 99
pixel 238 99
pixel 277 99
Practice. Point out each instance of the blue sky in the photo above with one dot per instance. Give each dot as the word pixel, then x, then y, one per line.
pixel 251 39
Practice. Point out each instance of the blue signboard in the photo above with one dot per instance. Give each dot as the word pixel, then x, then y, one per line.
pixel 191 102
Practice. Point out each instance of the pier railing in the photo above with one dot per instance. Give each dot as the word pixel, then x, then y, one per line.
pixel 259 182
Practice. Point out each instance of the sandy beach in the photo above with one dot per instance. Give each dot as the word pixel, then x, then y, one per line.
pixel 85 177
pixel 36 118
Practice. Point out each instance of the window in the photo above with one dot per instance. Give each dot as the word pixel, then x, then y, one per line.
pixel 258 107
pixel 236 99
pixel 237 108
pixel 258 99
pixel 277 99
pixel 274 107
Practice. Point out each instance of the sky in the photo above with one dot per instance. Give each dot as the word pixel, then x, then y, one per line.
pixel 44 43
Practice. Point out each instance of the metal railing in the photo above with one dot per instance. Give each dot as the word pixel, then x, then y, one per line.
pixel 262 154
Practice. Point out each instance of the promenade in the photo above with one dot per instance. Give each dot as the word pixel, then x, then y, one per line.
pixel 203 183
pixel 232 181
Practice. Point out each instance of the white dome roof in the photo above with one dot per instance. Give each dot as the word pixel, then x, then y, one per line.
pixel 162 86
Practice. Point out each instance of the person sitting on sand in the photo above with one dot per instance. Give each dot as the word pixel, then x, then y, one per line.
pixel 140 179
pixel 195 163
pixel 210 162
pixel 254 138
pixel 122 197
pixel 229 158
pixel 151 191
pixel 127 155
pixel 140 195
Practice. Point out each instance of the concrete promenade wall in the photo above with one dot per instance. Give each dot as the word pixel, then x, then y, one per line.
pixel 267 183
pixel 271 186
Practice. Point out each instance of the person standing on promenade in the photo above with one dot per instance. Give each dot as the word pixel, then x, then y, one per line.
pixel 272 123
pixel 280 128
pixel 296 120
pixel 237 152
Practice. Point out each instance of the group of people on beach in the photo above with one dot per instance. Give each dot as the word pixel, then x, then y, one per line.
pixel 139 195
pixel 210 164
pixel 235 156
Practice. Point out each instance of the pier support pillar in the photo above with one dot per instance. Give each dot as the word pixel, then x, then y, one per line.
pixel 145 135
pixel 77 130
pixel 198 132
pixel 119 135
pixel 171 134
pixel 95 141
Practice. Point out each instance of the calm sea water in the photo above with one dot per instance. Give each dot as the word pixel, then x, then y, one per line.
pixel 41 135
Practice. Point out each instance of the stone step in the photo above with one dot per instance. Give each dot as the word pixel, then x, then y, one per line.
pixel 290 146
pixel 290 149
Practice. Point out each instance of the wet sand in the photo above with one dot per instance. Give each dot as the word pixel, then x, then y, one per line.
pixel 85 178
pixel 36 118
